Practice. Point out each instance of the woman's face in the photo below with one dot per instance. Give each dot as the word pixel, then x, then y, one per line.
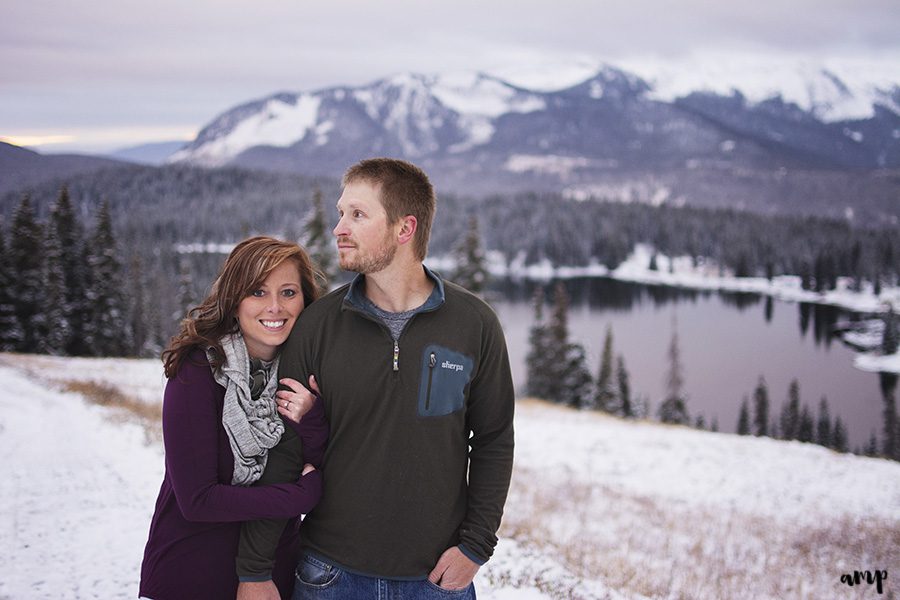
pixel 266 316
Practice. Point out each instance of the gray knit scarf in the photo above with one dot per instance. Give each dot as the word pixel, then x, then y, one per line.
pixel 253 426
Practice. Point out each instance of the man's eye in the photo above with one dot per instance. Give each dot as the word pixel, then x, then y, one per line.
pixel 357 214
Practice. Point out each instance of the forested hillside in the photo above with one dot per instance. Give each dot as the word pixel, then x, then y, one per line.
pixel 162 219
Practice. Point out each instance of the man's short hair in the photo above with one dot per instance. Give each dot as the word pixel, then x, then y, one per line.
pixel 404 189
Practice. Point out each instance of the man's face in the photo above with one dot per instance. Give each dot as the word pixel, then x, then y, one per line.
pixel 366 242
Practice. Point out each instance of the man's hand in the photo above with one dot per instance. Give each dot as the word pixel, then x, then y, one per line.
pixel 258 590
pixel 454 570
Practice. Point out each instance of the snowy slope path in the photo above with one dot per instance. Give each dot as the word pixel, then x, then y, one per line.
pixel 81 480
pixel 76 496
pixel 599 509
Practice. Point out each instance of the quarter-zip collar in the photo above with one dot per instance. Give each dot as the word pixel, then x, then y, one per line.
pixel 354 299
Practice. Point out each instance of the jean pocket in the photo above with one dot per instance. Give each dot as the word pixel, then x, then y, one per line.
pixel 440 592
pixel 316 573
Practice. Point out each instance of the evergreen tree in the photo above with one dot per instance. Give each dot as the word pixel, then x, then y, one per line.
pixel 186 299
pixel 674 407
pixel 761 407
pixel 839 436
pixel 538 364
pixel 743 425
pixel 53 322
pixel 790 413
pixel 576 382
pixel 11 334
pixel 471 271
pixel 68 233
pixel 605 397
pixel 108 330
pixel 568 368
pixel 653 266
pixel 823 427
pixel 26 260
pixel 144 316
pixel 806 276
pixel 625 406
pixel 558 331
pixel 320 243
pixel 700 423
pixel 854 266
pixel 806 432
pixel 641 406
pixel 871 448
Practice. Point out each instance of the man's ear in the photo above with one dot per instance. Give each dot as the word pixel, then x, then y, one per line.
pixel 408 227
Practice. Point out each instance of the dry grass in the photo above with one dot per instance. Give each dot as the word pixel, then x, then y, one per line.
pixel 125 407
pixel 644 548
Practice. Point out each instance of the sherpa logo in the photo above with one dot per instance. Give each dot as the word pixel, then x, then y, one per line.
pixel 452 366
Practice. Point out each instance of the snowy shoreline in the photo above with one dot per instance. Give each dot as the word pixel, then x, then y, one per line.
pixel 680 272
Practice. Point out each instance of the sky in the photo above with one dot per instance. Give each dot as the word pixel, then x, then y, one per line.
pixel 106 74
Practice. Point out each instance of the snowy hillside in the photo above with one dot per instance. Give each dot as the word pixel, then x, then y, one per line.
pixel 599 507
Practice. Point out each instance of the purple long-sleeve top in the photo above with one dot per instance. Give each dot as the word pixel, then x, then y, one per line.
pixel 194 533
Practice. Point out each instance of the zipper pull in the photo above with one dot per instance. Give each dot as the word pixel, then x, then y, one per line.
pixel 432 360
pixel 396 356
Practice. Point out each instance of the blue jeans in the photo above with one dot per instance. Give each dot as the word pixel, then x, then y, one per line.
pixel 317 580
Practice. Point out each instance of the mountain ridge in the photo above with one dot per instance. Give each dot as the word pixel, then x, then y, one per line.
pixel 472 128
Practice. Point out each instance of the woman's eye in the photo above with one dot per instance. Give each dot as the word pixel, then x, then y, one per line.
pixel 289 293
pixel 258 293
pixel 357 214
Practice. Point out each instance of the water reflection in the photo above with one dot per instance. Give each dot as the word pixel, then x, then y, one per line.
pixel 601 292
pixel 610 294
pixel 740 300
pixel 729 340
pixel 823 319
pixel 804 318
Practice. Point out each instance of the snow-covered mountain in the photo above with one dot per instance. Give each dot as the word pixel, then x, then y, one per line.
pixel 571 128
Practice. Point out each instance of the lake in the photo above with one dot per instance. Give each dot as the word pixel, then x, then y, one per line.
pixel 727 340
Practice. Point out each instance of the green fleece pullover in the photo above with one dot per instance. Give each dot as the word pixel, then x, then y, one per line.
pixel 421 446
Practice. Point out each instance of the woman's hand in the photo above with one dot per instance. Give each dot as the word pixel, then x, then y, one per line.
pixel 296 403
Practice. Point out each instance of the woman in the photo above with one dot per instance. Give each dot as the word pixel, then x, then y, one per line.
pixel 220 418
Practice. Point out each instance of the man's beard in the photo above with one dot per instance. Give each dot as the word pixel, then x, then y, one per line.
pixel 377 261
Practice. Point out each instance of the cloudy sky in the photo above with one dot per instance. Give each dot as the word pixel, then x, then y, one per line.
pixel 99 75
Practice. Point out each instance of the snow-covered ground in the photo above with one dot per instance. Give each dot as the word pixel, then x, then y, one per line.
pixel 599 507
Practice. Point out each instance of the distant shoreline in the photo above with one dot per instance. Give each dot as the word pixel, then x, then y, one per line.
pixel 680 272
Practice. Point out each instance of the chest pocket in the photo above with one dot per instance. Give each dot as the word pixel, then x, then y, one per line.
pixel 442 386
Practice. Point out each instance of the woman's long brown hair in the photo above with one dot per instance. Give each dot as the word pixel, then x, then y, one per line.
pixel 245 269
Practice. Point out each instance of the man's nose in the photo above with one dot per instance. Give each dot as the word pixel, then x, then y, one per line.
pixel 339 229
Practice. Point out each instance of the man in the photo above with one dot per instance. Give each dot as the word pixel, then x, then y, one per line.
pixel 415 378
